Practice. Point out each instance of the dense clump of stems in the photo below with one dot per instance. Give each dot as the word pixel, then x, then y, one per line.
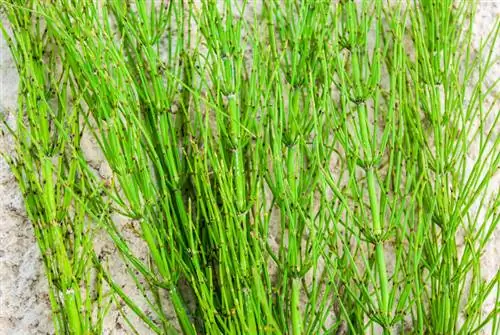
pixel 49 173
pixel 293 167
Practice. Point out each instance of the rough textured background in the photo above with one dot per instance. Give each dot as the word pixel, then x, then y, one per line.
pixel 24 305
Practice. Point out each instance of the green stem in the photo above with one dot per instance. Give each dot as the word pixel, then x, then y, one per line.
pixel 180 310
pixel 379 248
pixel 296 317
pixel 294 238
pixel 71 306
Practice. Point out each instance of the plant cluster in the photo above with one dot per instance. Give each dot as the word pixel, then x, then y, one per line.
pixel 294 167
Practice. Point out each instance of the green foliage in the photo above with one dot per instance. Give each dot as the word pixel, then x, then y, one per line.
pixel 293 169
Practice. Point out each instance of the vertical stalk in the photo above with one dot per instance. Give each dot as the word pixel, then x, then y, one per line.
pixel 375 212
pixel 296 316
pixel 237 153
pixel 379 249
pixel 292 160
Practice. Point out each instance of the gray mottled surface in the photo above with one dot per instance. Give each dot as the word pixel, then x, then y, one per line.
pixel 24 305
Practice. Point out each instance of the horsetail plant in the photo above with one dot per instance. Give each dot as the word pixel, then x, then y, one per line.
pixel 291 166
pixel 449 88
pixel 48 172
